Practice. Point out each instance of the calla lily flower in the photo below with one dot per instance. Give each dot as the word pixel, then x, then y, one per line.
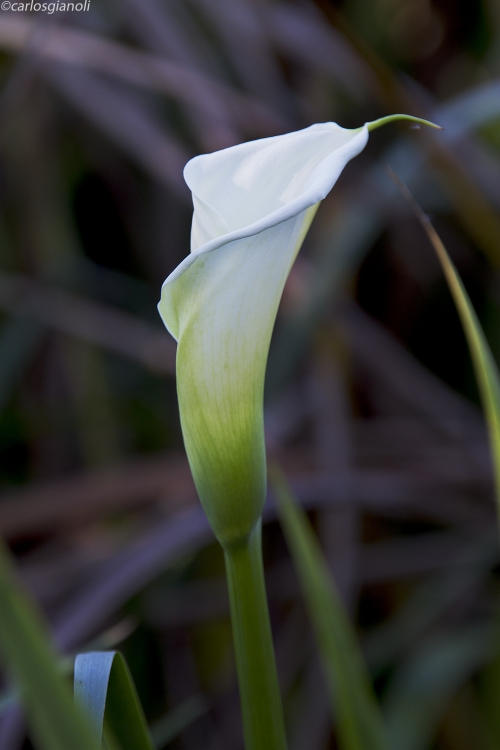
pixel 253 205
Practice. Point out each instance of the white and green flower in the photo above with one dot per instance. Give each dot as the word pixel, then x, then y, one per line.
pixel 253 205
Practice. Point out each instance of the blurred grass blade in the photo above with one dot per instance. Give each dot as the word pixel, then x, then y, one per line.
pixel 19 341
pixel 106 693
pixel 360 724
pixel 124 118
pixel 81 317
pixel 489 690
pixel 54 722
pixel 485 368
pixel 422 688
pixel 428 604
pixel 177 720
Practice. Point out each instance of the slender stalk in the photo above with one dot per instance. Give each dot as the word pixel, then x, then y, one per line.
pixel 263 723
pixel 396 118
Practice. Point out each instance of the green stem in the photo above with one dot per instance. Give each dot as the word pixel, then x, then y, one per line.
pixel 396 118
pixel 263 723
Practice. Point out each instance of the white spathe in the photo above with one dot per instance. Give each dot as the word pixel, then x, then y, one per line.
pixel 253 205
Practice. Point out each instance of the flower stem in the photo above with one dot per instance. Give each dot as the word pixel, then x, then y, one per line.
pixel 396 118
pixel 263 723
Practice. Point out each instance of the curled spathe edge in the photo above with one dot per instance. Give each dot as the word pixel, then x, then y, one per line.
pixel 323 179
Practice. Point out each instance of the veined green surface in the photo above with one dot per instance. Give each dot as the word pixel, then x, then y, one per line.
pixel 105 692
pixel 54 722
pixel 359 721
pixel 227 303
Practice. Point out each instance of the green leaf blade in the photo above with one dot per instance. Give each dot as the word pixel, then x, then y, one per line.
pixel 360 724
pixel 54 722
pixel 105 691
pixel 485 367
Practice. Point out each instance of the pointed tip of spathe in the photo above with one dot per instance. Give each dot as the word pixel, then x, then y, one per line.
pixel 396 118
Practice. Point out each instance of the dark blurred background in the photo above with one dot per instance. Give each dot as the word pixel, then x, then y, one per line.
pixel 371 402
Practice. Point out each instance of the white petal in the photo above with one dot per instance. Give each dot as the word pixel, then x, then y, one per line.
pixel 272 172
pixel 219 202
pixel 221 303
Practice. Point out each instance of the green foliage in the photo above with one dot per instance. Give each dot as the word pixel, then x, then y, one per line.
pixel 105 692
pixel 423 686
pixel 354 705
pixel 485 367
pixel 55 724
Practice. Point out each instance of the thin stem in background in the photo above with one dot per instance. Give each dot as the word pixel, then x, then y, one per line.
pixel 485 367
